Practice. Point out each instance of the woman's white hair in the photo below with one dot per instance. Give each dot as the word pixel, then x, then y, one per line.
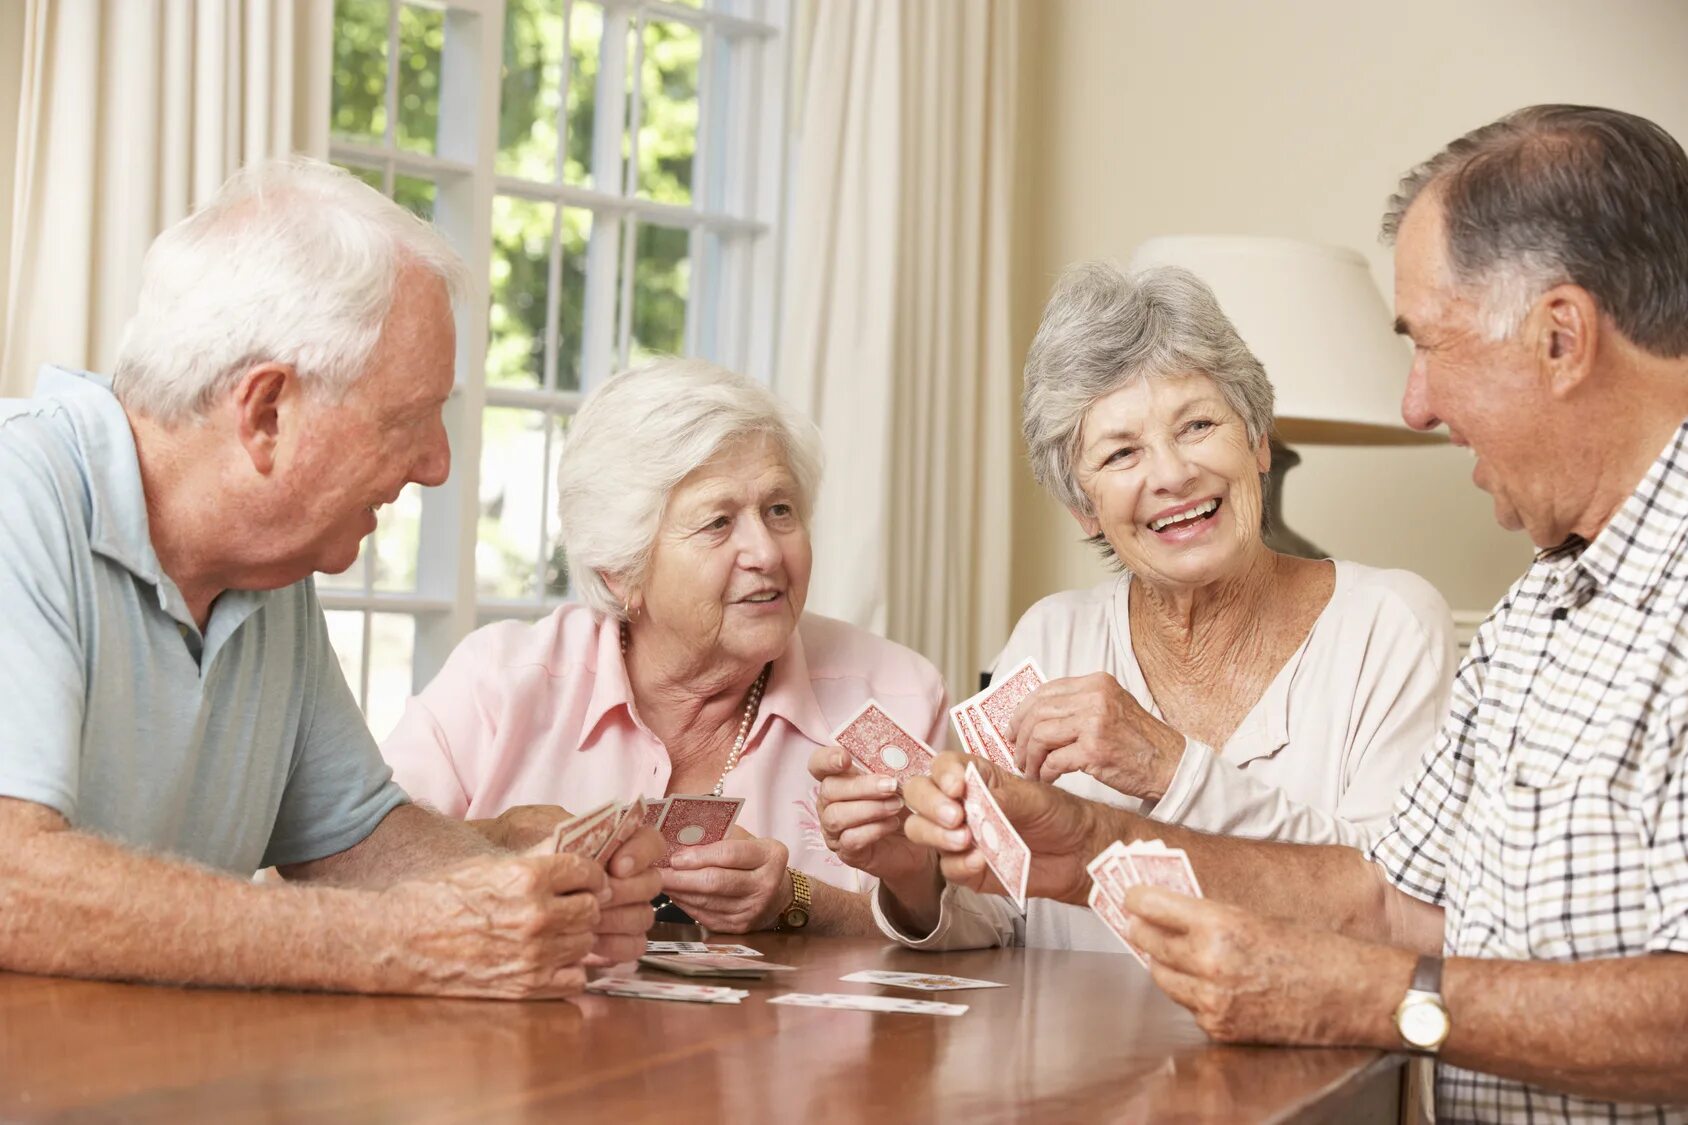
pixel 641 434
pixel 292 261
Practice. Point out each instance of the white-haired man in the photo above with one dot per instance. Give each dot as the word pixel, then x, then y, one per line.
pixel 176 718
pixel 1542 276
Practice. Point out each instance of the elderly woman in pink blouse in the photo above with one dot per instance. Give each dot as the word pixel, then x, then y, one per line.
pixel 1215 683
pixel 687 665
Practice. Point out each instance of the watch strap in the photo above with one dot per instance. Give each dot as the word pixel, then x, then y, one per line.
pixel 1427 975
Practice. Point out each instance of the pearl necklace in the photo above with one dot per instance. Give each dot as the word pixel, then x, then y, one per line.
pixel 751 704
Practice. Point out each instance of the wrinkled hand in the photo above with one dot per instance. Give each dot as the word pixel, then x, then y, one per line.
pixel 632 882
pixel 1061 830
pixel 1252 979
pixel 521 827
pixel 1090 724
pixel 862 818
pixel 734 886
pixel 504 927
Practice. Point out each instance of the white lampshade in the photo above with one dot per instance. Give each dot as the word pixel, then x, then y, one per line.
pixel 1317 323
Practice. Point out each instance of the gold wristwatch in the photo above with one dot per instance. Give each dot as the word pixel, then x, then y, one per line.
pixel 1422 1018
pixel 796 914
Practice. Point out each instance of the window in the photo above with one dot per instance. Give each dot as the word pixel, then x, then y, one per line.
pixel 611 170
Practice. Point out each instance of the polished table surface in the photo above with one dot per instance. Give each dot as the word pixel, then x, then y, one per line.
pixel 1074 1036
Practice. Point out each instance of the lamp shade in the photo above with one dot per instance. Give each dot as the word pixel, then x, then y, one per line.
pixel 1316 321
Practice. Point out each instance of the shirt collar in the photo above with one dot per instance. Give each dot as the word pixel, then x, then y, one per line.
pixel 789 695
pixel 1629 556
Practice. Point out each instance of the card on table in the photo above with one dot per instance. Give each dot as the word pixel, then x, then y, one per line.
pixel 845 1001
pixel 721 949
pixel 925 982
pixel 712 965
pixel 694 821
pixel 1007 855
pixel 665 990
pixel 879 745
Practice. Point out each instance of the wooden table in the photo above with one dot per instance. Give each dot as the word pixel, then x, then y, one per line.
pixel 1074 1037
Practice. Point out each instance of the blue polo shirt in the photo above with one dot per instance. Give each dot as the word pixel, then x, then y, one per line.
pixel 240 748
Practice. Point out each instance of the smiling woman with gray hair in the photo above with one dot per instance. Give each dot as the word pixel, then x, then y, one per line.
pixel 687 667
pixel 1214 682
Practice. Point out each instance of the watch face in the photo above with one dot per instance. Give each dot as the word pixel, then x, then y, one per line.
pixel 796 918
pixel 1424 1024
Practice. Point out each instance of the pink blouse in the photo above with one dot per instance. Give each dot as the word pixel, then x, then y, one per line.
pixel 541 714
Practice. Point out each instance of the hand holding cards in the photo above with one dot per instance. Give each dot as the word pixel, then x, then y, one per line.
pixel 689 822
pixel 878 745
pixel 983 721
pixel 1120 867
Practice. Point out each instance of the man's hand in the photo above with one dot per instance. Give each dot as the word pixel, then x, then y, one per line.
pixel 1090 724
pixel 519 828
pixel 733 887
pixel 1252 979
pixel 511 928
pixel 1059 828
pixel 633 882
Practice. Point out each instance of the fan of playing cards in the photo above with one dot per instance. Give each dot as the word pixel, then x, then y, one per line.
pixel 983 721
pixel 1120 867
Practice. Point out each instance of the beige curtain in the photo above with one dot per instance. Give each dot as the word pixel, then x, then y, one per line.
pixel 130 113
pixel 895 334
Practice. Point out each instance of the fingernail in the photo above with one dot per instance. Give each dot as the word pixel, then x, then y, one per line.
pixel 887 785
pixel 605 895
pixel 951 816
pixel 895 804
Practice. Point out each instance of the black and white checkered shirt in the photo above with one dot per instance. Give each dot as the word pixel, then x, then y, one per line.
pixel 1551 820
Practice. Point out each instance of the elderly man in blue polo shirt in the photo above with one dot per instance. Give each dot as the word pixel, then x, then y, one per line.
pixel 175 718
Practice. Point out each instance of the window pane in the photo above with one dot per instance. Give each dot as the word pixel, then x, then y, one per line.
pixel 392 644
pixel 556 562
pixel 421 36
pixel 532 88
pixel 512 519
pixel 415 194
pixel 668 111
pixel 586 37
pixel 571 318
pixel 734 70
pixel 345 633
pixel 360 69
pixel 661 281
pixel 397 533
pixel 521 259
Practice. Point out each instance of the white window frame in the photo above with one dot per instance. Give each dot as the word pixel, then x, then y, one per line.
pixel 446 604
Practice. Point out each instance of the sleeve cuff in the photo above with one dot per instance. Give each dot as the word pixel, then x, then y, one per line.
pixel 1187 781
pixel 933 940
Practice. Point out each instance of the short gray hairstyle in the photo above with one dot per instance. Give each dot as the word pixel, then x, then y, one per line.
pixel 292 261
pixel 1551 194
pixel 1101 330
pixel 636 438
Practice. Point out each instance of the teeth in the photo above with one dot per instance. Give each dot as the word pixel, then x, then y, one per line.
pixel 1195 513
pixel 768 597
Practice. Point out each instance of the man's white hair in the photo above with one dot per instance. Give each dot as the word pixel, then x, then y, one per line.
pixel 641 434
pixel 292 261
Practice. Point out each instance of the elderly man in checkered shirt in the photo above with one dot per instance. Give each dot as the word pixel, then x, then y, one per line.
pixel 1542 276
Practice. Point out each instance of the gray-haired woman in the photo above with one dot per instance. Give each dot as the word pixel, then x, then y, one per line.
pixel 688 665
pixel 1214 682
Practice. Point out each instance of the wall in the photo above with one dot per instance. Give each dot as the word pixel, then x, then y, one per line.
pixel 1142 117
pixel 11 78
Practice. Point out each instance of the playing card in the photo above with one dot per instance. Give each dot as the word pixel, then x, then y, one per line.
pixel 712 965
pixel 721 949
pixel 851 1002
pixel 925 982
pixel 994 707
pixel 666 990
pixel 1112 871
pixel 655 811
pixel 586 835
pixel 880 746
pixel 1113 916
pixel 693 821
pixel 1009 858
pixel 1168 867
pixel 628 818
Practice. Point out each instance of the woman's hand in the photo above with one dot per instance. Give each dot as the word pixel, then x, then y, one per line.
pixel 1090 724
pixel 732 887
pixel 862 822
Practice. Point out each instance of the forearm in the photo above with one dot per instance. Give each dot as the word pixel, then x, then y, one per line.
pixel 409 841
pixel 839 913
pixel 1329 886
pixel 76 905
